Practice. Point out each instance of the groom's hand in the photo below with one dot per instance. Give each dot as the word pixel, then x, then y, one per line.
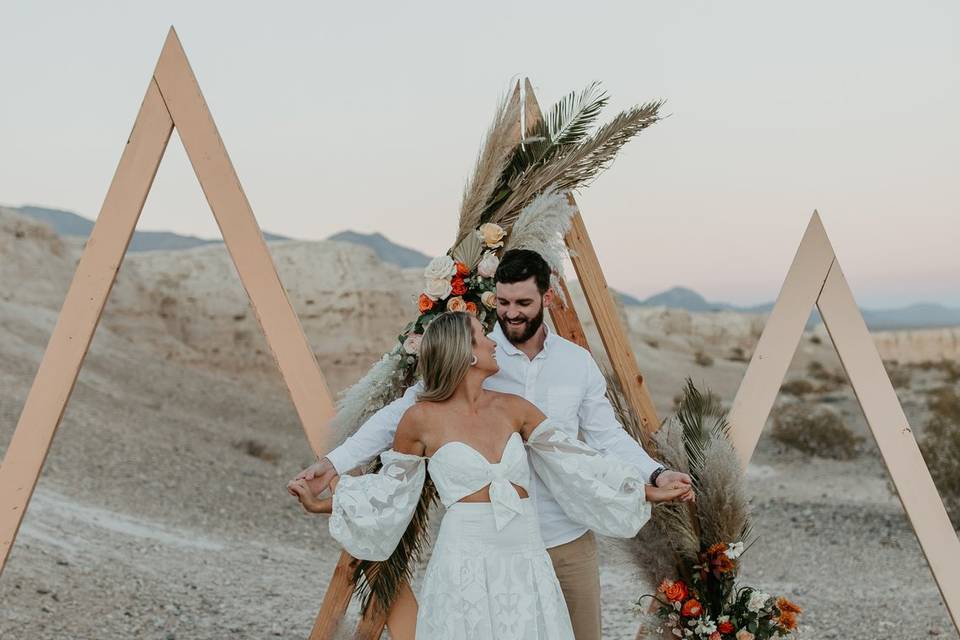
pixel 675 478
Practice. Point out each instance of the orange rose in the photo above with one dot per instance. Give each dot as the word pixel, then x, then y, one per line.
pixel 691 608
pixel 725 627
pixel 675 591
pixel 459 286
pixel 462 270
pixel 788 620
pixel 785 605
pixel 425 303
pixel 717 549
pixel 472 308
pixel 722 564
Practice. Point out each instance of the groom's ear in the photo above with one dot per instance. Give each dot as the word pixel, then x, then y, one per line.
pixel 548 298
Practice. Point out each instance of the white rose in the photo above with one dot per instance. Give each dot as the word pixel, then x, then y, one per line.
pixel 488 266
pixel 489 299
pixel 757 598
pixel 440 267
pixel 438 288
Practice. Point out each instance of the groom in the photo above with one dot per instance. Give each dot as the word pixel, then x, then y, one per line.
pixel 563 381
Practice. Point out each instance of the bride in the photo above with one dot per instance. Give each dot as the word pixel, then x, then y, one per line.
pixel 489 575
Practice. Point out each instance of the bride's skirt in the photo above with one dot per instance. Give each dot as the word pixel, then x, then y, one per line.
pixel 484 584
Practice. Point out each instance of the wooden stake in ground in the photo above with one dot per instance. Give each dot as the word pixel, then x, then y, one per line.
pixel 815 278
pixel 173 100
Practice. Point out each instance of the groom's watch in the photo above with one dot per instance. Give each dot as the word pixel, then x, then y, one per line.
pixel 656 474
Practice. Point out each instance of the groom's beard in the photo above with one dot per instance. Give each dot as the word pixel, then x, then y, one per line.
pixel 519 332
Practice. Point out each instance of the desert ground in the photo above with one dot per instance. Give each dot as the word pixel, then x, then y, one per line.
pixel 161 512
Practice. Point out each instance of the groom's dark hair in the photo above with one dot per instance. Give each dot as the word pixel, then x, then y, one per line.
pixel 518 265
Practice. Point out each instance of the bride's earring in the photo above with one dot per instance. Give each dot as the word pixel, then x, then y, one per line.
pixel 473 362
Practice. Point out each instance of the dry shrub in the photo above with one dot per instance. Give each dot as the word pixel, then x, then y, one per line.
pixel 899 376
pixel 815 430
pixel 815 339
pixel 703 359
pixel 256 449
pixel 737 354
pixel 829 380
pixel 653 344
pixel 798 387
pixel 940 445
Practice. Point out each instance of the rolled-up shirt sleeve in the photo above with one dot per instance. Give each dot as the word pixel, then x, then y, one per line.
pixel 601 430
pixel 374 436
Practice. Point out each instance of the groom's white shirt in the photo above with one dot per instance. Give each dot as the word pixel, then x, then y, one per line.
pixel 563 381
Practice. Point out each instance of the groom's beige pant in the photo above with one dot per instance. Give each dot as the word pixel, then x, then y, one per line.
pixel 578 570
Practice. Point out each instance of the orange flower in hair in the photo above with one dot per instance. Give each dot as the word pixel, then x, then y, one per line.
pixel 425 303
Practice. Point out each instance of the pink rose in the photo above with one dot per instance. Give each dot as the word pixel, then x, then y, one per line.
pixel 743 634
pixel 456 303
pixel 488 265
pixel 412 344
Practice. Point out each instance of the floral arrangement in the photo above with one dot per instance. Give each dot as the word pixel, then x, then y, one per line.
pixel 699 546
pixel 518 197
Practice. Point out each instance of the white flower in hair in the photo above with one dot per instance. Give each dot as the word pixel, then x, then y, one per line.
pixel 438 288
pixel 440 267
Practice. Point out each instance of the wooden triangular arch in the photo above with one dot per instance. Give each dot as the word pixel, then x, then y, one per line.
pixel 173 99
pixel 815 278
pixel 401 619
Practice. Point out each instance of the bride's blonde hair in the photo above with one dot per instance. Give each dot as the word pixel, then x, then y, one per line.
pixel 446 352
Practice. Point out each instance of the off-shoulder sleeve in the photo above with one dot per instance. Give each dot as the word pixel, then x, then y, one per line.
pixel 600 492
pixel 371 512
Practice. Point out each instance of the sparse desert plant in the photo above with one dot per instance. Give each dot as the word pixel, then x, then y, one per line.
pixel 797 387
pixel 829 380
pixel 815 339
pixel 815 430
pixel 899 376
pixel 653 344
pixel 940 445
pixel 702 358
pixel 256 449
pixel 737 354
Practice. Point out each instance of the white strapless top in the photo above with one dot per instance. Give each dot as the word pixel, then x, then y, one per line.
pixel 458 470
pixel 371 512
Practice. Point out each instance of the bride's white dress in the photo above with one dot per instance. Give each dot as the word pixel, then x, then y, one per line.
pixel 489 576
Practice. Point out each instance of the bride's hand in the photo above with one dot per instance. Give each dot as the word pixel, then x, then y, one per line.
pixel 311 503
pixel 671 492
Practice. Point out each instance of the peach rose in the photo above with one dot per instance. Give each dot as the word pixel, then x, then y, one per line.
pixel 491 234
pixel 714 636
pixel 691 608
pixel 488 265
pixel 743 634
pixel 489 299
pixel 456 303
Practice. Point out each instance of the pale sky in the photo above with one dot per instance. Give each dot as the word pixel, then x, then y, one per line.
pixel 368 116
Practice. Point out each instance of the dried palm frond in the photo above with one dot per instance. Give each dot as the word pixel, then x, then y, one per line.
pixel 379 582
pixel 542 226
pixel 574 166
pixel 493 159
pixel 703 420
pixel 565 125
pixel 469 251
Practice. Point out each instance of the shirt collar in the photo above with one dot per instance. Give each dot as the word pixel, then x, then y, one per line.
pixel 500 338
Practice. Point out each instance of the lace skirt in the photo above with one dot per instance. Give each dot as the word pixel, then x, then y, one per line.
pixel 484 584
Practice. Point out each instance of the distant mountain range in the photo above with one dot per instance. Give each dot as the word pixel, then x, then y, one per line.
pixel 67 223
pixel 913 316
